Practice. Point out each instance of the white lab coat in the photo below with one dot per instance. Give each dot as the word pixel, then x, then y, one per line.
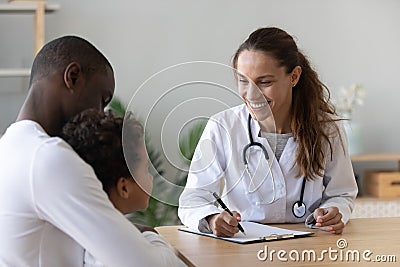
pixel 217 166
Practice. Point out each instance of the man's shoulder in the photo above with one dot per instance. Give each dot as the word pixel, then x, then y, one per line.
pixel 23 138
pixel 24 132
pixel 55 160
pixel 29 140
pixel 31 136
pixel 55 150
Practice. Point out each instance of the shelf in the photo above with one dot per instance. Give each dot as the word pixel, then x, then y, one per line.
pixel 369 198
pixel 15 72
pixel 38 8
pixel 376 157
pixel 26 8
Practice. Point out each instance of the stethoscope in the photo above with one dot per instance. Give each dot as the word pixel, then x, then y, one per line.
pixel 298 208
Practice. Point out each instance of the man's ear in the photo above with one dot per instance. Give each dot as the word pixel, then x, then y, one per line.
pixel 71 75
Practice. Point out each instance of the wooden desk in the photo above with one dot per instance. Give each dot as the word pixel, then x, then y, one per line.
pixel 381 236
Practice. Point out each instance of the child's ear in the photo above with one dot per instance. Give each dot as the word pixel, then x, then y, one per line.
pixel 122 187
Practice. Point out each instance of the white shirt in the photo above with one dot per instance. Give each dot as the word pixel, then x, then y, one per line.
pixel 155 239
pixel 52 206
pixel 217 166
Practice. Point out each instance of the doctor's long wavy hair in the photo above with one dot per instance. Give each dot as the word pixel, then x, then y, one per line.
pixel 312 113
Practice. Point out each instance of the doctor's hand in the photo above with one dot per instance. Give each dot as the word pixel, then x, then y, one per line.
pixel 224 225
pixel 329 219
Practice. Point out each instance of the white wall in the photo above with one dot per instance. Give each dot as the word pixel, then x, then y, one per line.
pixel 347 41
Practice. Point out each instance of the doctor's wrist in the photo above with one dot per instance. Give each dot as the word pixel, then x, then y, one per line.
pixel 210 217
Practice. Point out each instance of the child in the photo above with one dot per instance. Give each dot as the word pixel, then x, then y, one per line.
pixel 97 138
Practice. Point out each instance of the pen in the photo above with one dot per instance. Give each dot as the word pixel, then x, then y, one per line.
pixel 219 200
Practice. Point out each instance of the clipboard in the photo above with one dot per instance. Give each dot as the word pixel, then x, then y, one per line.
pixel 255 233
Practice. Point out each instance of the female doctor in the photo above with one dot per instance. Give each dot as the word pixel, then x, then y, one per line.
pixel 281 157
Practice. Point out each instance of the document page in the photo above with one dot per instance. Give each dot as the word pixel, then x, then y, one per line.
pixel 256 232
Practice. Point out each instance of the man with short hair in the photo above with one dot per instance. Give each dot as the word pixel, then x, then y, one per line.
pixel 52 206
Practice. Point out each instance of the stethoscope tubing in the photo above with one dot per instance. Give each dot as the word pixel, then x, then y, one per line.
pixel 298 208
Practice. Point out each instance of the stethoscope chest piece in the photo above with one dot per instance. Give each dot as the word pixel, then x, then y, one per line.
pixel 299 209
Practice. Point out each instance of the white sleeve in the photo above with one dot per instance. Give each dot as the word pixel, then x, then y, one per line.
pixel 159 242
pixel 67 194
pixel 152 237
pixel 206 169
pixel 339 181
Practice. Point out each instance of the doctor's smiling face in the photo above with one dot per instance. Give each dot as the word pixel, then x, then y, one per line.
pixel 266 86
